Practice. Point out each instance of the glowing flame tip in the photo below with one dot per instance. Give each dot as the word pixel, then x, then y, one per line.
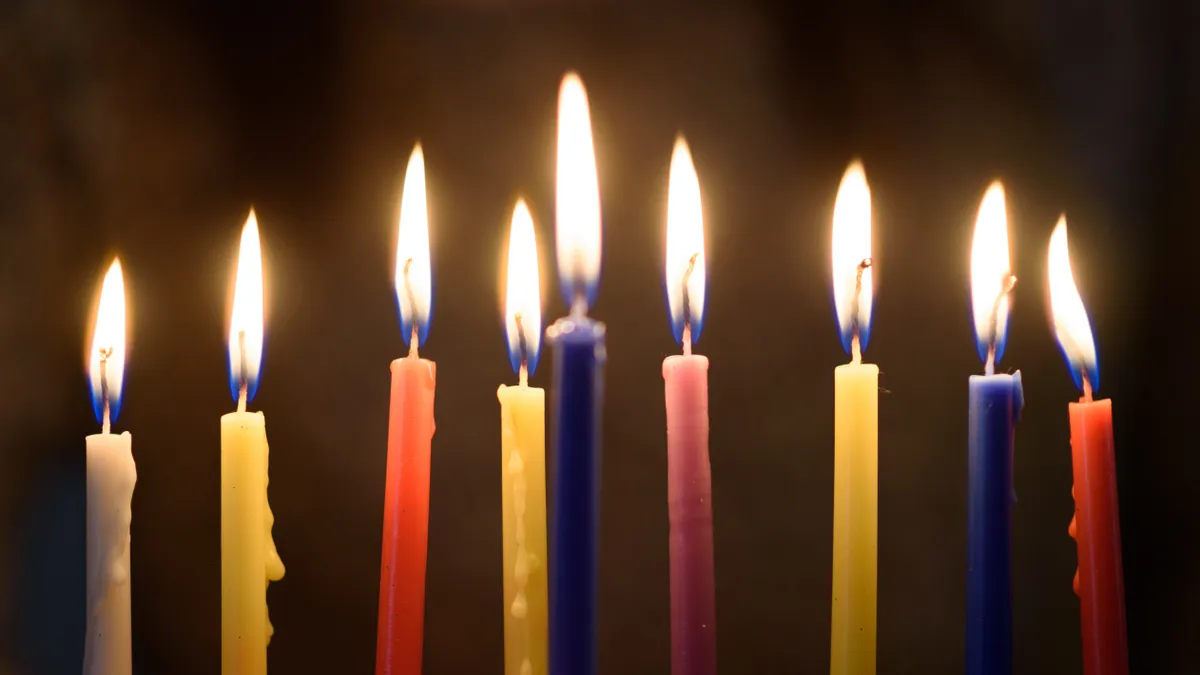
pixel 414 278
pixel 106 358
pixel 246 316
pixel 686 266
pixel 991 273
pixel 852 262
pixel 522 305
pixel 1071 324
pixel 577 196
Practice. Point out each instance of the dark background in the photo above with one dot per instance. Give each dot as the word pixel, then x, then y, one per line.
pixel 149 129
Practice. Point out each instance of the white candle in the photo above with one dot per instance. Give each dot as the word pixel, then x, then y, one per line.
pixel 111 475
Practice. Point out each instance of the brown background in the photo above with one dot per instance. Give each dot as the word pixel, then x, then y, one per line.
pixel 149 130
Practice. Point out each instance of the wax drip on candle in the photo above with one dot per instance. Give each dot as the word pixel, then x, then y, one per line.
pixel 687 305
pixel 274 568
pixel 105 353
pixel 1006 286
pixel 1073 532
pixel 855 326
pixel 243 372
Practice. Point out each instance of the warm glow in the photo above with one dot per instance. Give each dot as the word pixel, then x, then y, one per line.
pixel 246 320
pixel 991 273
pixel 1070 318
pixel 523 292
pixel 108 344
pixel 577 199
pixel 414 281
pixel 851 249
pixel 686 266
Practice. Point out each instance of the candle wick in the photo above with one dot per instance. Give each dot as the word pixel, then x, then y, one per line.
pixel 687 305
pixel 1087 389
pixel 105 353
pixel 579 306
pixel 243 372
pixel 412 309
pixel 523 378
pixel 522 348
pixel 1007 282
pixel 855 322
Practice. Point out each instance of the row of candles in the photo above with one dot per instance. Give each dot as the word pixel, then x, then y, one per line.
pixel 550 592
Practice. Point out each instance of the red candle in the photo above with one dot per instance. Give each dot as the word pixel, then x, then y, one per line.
pixel 1096 526
pixel 410 435
pixel 689 484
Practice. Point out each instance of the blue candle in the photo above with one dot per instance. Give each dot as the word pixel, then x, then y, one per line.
pixel 994 408
pixel 578 344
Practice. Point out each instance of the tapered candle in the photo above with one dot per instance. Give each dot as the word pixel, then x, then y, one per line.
pixel 401 623
pixel 1096 526
pixel 856 438
pixel 523 462
pixel 111 475
pixel 995 405
pixel 689 480
pixel 248 556
pixel 579 355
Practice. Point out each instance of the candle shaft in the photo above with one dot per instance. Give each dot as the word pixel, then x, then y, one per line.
pixel 523 490
pixel 855 519
pixel 248 556
pixel 111 475
pixel 689 499
pixel 1097 530
pixel 578 345
pixel 995 405
pixel 405 519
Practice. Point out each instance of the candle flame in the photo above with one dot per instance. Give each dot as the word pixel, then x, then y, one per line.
pixel 246 318
pixel 577 198
pixel 106 359
pixel 414 279
pixel 991 275
pixel 686 265
pixel 853 288
pixel 522 297
pixel 1071 324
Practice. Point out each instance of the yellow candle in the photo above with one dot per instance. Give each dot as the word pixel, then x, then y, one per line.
pixel 856 434
pixel 523 465
pixel 248 556
pixel 855 517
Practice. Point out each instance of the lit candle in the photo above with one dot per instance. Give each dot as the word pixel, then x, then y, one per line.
pixel 523 462
pixel 578 393
pixel 1096 527
pixel 410 436
pixel 689 482
pixel 111 475
pixel 248 556
pixel 995 405
pixel 856 437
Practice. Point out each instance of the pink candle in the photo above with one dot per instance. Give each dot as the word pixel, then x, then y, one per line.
pixel 689 484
